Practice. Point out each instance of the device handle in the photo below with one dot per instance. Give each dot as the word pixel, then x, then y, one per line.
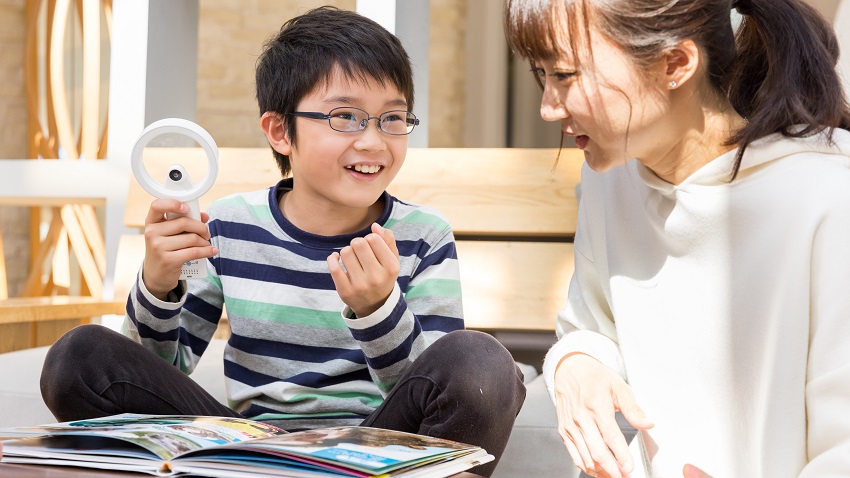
pixel 178 180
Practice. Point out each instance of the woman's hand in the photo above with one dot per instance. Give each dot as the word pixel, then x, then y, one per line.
pixel 690 471
pixel 169 243
pixel 371 271
pixel 587 396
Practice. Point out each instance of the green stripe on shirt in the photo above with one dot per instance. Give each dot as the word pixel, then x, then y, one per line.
pixel 285 313
pixel 434 288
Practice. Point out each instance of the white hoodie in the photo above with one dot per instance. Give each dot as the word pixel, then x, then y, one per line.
pixel 726 306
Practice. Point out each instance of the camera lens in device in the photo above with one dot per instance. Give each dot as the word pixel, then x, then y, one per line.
pixel 175 175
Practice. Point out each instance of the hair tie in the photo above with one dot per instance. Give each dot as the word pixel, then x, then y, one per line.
pixel 740 5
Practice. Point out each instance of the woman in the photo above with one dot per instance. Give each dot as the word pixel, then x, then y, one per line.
pixel 708 302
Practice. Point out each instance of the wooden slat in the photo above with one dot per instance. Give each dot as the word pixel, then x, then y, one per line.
pixel 14 337
pixel 495 192
pixel 60 264
pixel 56 82
pixel 94 237
pixel 514 285
pixel 483 191
pixel 51 144
pixel 90 115
pixel 53 201
pixel 34 285
pixel 4 287
pixel 88 267
pixel 131 253
pixel 37 309
pixel 48 331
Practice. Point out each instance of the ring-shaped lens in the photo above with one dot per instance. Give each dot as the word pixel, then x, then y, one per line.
pixel 185 128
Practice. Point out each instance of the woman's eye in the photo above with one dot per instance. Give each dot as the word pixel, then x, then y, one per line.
pixel 391 118
pixel 562 76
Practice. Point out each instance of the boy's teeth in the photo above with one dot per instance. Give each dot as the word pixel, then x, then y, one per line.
pixel 362 168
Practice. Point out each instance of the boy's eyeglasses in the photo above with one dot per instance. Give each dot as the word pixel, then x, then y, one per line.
pixel 352 120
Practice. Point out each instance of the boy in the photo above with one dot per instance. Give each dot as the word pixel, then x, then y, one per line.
pixel 344 302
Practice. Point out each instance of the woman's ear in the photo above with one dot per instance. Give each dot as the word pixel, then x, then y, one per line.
pixel 681 64
pixel 275 130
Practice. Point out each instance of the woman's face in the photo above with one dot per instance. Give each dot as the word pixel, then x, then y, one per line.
pixel 614 110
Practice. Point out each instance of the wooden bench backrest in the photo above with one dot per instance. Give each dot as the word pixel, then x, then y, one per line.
pixel 513 212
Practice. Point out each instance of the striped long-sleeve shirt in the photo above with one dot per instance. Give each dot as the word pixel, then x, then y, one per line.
pixel 293 354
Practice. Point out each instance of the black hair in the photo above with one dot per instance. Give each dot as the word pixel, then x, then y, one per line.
pixel 309 48
pixel 785 72
pixel 778 70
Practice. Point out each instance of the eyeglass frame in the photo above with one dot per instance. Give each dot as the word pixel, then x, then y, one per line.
pixel 364 123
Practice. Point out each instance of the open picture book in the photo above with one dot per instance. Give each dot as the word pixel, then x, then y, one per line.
pixel 171 445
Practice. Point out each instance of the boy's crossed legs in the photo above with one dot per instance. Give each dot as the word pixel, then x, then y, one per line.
pixel 464 387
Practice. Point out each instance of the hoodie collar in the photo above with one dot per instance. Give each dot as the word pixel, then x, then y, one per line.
pixel 763 150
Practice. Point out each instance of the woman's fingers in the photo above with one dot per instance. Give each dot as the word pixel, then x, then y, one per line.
pixel 602 460
pixel 574 440
pixel 588 395
pixel 580 431
pixel 616 445
pixel 572 450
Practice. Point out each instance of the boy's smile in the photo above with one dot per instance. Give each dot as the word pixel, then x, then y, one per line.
pixel 365 171
pixel 365 168
pixel 339 176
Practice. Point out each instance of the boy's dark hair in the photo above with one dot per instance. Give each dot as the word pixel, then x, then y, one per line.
pixel 308 48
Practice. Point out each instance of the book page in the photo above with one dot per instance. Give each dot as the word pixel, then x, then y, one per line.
pixel 370 450
pixel 217 446
pixel 166 436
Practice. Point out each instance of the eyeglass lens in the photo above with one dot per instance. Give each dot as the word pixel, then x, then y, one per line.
pixel 347 120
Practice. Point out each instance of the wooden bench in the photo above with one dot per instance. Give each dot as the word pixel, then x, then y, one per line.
pixel 513 212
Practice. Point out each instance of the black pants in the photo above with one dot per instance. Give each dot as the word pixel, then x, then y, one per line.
pixel 464 387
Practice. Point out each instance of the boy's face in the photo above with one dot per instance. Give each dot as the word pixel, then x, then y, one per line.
pixel 338 169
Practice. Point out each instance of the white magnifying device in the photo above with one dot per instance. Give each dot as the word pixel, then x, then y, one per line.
pixel 177 183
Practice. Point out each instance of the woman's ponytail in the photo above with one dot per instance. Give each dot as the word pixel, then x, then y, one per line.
pixel 785 73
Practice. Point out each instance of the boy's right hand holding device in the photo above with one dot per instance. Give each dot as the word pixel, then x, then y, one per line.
pixel 370 273
pixel 587 396
pixel 169 243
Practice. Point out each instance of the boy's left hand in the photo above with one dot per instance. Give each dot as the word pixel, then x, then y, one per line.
pixel 371 271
